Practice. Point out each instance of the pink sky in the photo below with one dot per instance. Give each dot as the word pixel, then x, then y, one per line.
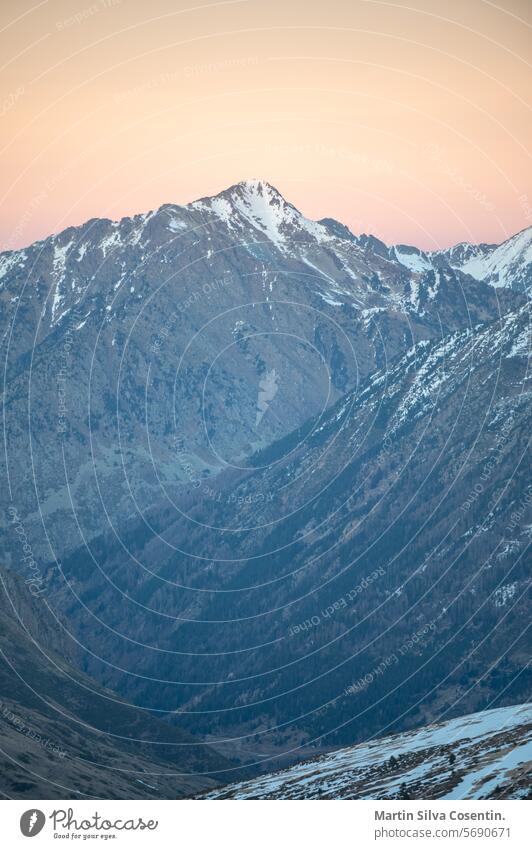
pixel 409 120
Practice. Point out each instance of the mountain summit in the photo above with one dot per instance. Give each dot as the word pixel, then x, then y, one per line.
pixel 115 329
pixel 505 265
pixel 257 204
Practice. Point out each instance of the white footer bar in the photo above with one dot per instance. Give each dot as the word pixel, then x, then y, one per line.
pixel 267 825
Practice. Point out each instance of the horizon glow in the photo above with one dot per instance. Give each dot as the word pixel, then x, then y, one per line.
pixel 410 121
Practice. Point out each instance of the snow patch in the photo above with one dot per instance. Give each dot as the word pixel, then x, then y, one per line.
pixel 414 260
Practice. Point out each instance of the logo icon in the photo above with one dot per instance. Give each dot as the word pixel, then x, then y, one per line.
pixel 32 822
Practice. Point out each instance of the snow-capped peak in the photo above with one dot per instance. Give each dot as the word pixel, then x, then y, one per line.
pixel 507 264
pixel 259 204
pixel 263 205
pixel 251 192
pixel 254 185
pixel 412 258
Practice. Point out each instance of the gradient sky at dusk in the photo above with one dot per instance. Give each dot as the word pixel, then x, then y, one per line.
pixel 410 120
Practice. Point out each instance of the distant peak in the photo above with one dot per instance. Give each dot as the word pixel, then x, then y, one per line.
pixel 255 187
pixel 337 229
pixel 250 192
pixel 257 203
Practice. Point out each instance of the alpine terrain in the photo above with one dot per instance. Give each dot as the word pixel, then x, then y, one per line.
pixel 266 483
pixel 482 756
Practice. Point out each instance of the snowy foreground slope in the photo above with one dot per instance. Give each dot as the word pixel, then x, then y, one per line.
pixel 484 755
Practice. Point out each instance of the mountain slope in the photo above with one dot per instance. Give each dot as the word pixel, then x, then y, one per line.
pixel 369 573
pixel 62 736
pixel 505 265
pixel 277 471
pixel 481 756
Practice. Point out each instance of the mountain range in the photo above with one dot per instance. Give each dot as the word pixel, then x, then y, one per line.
pixel 272 475
pixel 136 347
